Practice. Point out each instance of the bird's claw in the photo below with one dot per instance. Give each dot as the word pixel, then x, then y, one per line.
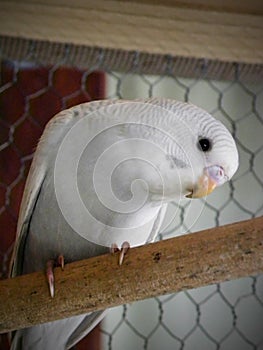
pixel 124 248
pixel 114 248
pixel 61 261
pixel 50 277
pixel 50 273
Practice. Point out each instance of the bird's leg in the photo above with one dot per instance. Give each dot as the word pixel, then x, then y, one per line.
pixel 124 248
pixel 50 273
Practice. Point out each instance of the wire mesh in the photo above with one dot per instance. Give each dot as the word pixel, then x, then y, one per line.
pixel 34 88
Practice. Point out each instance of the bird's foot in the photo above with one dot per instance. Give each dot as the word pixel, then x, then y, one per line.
pixel 50 272
pixel 124 248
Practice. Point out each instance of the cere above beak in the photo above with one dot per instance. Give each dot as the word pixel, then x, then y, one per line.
pixel 212 177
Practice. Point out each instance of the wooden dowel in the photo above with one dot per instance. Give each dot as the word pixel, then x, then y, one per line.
pixel 185 262
pixel 222 32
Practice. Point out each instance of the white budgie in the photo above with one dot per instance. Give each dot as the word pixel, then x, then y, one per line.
pixel 102 176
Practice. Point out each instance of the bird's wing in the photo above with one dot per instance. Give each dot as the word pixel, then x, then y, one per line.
pixel 32 189
pixel 35 180
pixel 54 131
pixel 38 170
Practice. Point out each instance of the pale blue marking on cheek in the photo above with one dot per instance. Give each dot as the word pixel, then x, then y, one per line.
pixel 175 162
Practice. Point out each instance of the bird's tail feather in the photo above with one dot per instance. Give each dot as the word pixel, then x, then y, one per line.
pixel 59 335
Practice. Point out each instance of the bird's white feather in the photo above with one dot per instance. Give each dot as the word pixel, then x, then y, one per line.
pixel 44 231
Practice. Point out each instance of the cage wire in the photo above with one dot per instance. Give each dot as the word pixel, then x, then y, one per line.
pixel 223 316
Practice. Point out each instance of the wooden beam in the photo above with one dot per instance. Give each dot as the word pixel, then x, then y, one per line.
pixel 253 7
pixel 226 32
pixel 190 261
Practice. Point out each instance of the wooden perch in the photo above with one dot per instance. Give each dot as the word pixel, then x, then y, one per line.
pixel 190 261
pixel 228 31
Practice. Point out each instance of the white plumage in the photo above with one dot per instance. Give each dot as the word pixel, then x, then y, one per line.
pixel 103 173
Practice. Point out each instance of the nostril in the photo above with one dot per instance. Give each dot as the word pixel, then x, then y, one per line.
pixel 221 172
pixel 217 173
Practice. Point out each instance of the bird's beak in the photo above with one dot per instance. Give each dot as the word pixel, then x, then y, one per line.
pixel 211 178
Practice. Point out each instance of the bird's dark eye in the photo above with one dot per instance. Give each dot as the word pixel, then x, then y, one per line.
pixel 204 144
